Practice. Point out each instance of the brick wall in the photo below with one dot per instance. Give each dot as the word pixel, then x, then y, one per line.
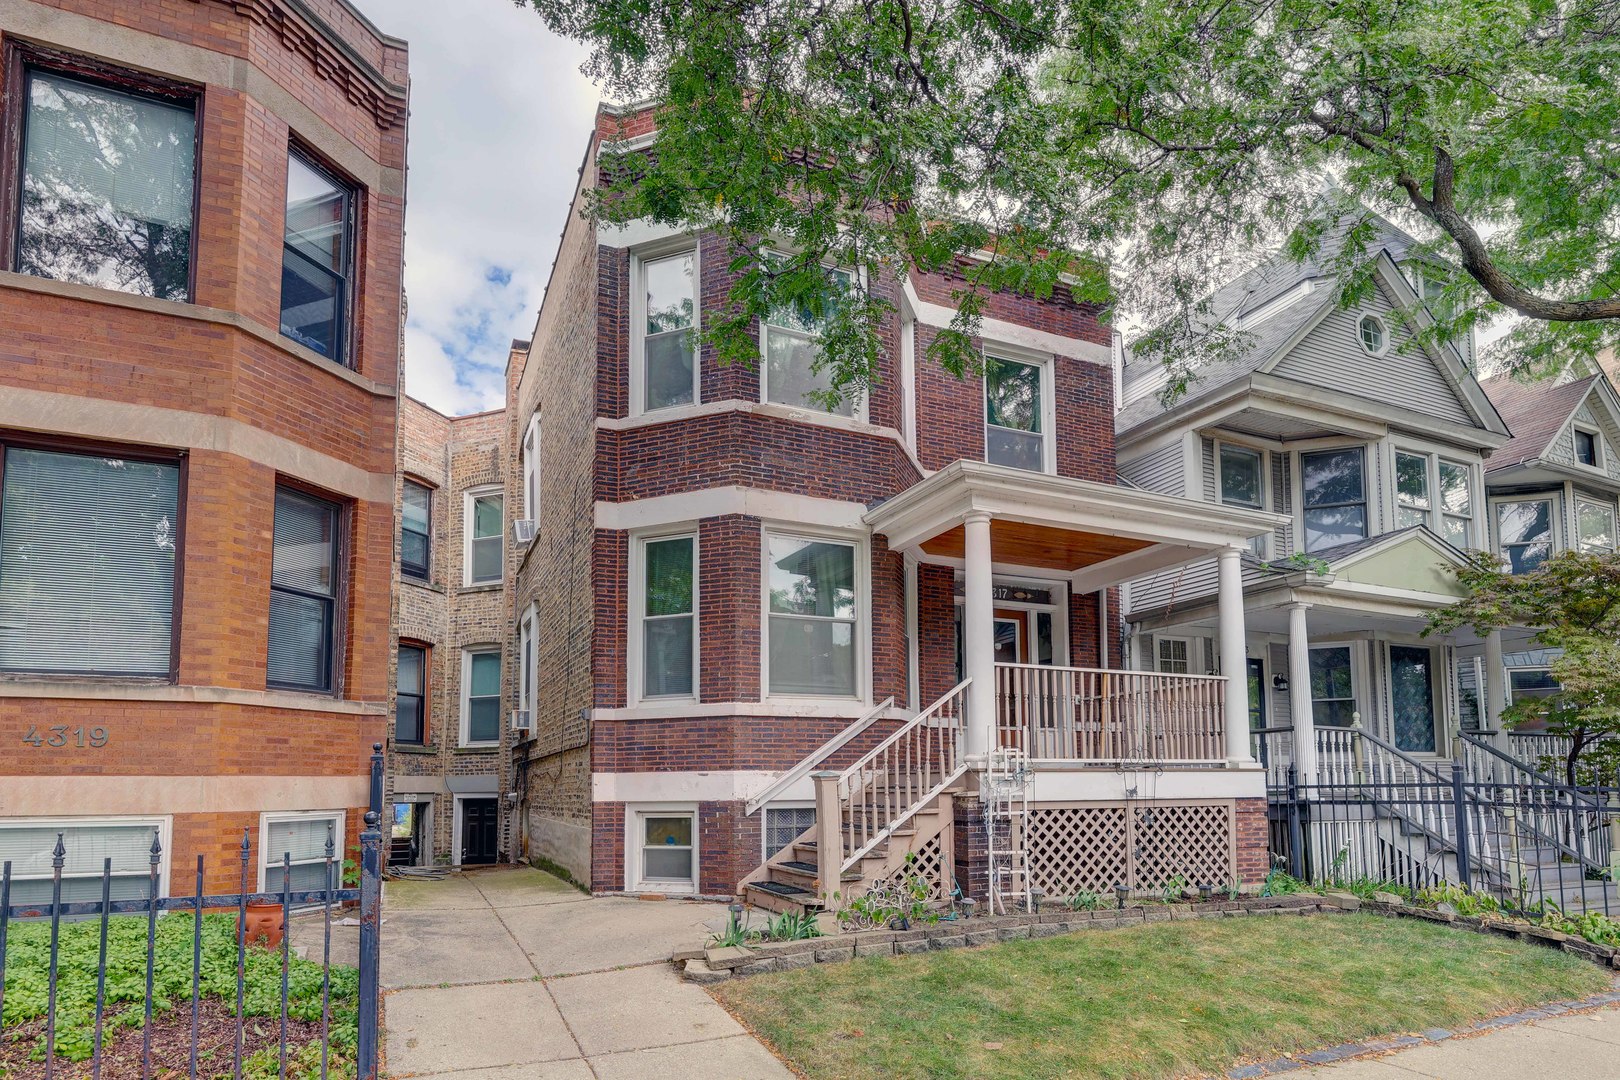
pixel 1253 841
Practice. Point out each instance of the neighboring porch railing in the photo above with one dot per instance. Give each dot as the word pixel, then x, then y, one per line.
pixel 1100 716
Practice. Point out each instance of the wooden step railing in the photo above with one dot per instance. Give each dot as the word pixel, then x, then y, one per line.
pixel 1100 716
pixel 817 757
pixel 861 807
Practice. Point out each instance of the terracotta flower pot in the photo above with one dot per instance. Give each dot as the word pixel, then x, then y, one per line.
pixel 263 925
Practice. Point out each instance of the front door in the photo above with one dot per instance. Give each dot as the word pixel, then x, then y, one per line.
pixel 1411 678
pixel 1012 637
pixel 480 820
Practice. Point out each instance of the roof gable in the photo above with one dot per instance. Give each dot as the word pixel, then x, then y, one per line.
pixel 1542 416
pixel 1411 560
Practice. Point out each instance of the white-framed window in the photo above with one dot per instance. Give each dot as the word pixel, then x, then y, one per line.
pixel 664 324
pixel 1333 685
pixel 1240 475
pixel 664 626
pixel 1174 655
pixel 485 536
pixel 662 848
pixel 1530 682
pixel 481 695
pixel 1588 447
pixel 528 649
pixel 1334 496
pixel 813 616
pixel 1456 503
pixel 785 823
pixel 300 839
pixel 1373 334
pixel 1017 403
pixel 29 843
pixel 789 350
pixel 1524 529
pixel 1595 526
pixel 1413 504
pixel 531 468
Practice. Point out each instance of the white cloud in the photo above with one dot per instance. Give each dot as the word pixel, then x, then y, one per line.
pixel 499 118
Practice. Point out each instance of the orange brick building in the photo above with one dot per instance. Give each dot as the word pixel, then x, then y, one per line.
pixel 201 220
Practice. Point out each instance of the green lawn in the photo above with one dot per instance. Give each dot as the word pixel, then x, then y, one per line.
pixel 22 1024
pixel 1157 1001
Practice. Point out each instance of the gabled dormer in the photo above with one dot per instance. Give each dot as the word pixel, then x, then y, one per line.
pixel 1554 485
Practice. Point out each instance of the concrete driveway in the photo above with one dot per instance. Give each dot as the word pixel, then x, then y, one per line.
pixel 511 974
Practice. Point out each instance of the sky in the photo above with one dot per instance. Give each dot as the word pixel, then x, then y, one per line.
pixel 499 118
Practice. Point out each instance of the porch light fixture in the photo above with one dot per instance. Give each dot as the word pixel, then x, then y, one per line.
pixel 1122 893
pixel 1279 682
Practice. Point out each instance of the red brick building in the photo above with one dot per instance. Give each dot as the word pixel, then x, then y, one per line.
pixel 200 299
pixel 731 589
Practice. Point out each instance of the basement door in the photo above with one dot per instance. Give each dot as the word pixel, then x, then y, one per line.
pixel 480 822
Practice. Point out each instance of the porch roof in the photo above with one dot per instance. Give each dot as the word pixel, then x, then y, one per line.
pixel 1098 533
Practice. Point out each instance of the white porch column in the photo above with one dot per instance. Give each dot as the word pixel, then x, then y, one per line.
pixel 1494 692
pixel 978 636
pixel 1299 694
pixel 1234 655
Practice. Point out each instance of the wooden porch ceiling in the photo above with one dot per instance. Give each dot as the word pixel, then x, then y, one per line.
pixel 1023 544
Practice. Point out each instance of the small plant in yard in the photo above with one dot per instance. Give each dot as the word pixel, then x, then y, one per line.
pixel 1594 926
pixel 1085 900
pixel 895 904
pixel 1175 889
pixel 1280 883
pixel 1234 888
pixel 732 936
pixel 1464 901
pixel 792 926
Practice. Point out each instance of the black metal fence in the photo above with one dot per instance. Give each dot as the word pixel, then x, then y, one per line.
pixel 186 985
pixel 1529 843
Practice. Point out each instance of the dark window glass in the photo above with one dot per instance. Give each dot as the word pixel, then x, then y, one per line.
pixel 415 535
pixel 303 592
pixel 317 256
pixel 108 183
pixel 1335 498
pixel 87 560
pixel 1333 702
pixel 1012 414
pixel 1240 477
pixel 1411 681
pixel 410 725
pixel 1586 448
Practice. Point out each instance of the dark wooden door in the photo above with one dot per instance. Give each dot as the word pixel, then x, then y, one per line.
pixel 480 820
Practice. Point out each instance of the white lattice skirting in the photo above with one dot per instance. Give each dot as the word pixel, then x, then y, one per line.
pixel 930 865
pixel 1093 847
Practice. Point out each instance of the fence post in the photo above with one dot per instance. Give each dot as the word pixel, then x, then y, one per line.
pixel 370 923
pixel 1510 823
pixel 1614 837
pixel 1459 810
pixel 1296 835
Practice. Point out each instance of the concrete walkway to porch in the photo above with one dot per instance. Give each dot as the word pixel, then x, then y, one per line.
pixel 512 974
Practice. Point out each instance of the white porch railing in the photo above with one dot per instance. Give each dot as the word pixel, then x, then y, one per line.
pixel 1098 716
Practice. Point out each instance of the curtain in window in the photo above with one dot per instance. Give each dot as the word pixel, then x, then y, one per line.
pixel 107 189
pixel 302 589
pixel 87 563
pixel 303 841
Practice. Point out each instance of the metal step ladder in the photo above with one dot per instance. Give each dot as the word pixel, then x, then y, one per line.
pixel 1005 789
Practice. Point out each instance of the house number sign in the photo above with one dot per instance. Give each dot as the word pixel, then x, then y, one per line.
pixel 66 735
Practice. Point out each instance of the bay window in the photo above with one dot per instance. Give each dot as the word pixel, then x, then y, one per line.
pixel 481 696
pixel 317 261
pixel 790 341
pixel 668 616
pixel 108 185
pixel 812 615
pixel 667 318
pixel 1595 526
pixel 1335 497
pixel 1412 503
pixel 1525 531
pixel 1013 406
pixel 303 592
pixel 1456 504
pixel 87 563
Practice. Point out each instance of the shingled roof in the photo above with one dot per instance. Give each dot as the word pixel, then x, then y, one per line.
pixel 1535 412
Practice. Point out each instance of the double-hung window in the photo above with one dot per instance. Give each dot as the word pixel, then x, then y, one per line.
pixel 531 468
pixel 484 525
pixel 317 261
pixel 790 339
pixel 1335 497
pixel 87 563
pixel 415 530
pixel 668 849
pixel 1013 409
pixel 1243 483
pixel 1596 527
pixel 293 852
pixel 410 696
pixel 108 186
pixel 28 843
pixel 1333 686
pixel 1174 655
pixel 1525 531
pixel 303 592
pixel 1456 504
pixel 812 615
pixel 668 316
pixel 528 657
pixel 668 616
pixel 1412 501
pixel 481 696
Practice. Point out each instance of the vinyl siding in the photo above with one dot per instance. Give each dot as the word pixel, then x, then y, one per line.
pixel 1282 499
pixel 1207 456
pixel 1159 471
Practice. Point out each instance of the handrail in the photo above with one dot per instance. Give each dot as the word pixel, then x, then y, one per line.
pixel 818 755
pixel 1116 671
pixel 1536 798
pixel 1111 715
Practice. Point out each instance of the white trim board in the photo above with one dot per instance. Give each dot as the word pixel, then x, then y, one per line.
pixel 999 331
pixel 733 501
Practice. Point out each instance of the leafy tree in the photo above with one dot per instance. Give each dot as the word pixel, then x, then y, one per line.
pixel 1147 145
pixel 1573 599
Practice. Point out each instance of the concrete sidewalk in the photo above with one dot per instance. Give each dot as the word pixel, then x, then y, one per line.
pixel 1578 1046
pixel 511 974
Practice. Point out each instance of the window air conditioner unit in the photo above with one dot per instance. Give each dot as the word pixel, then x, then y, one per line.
pixel 523 530
pixel 522 722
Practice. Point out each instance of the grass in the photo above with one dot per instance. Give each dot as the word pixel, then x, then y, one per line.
pixel 26 985
pixel 1146 1003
